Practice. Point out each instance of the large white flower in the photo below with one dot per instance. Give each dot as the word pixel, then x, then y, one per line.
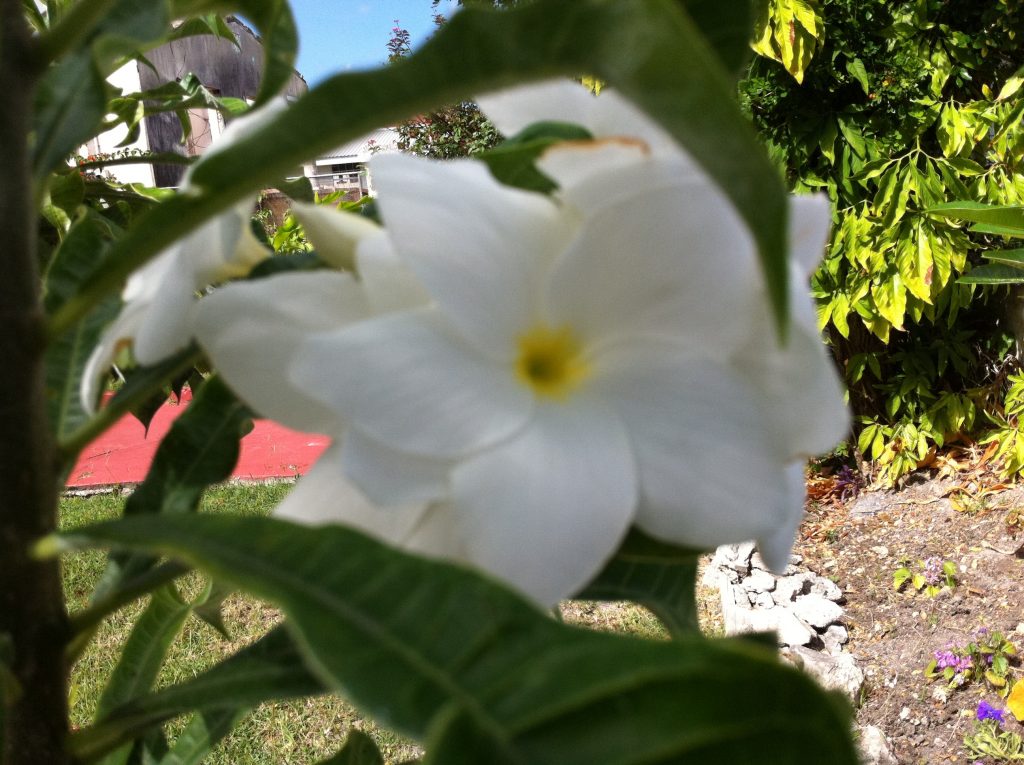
pixel 512 380
pixel 155 320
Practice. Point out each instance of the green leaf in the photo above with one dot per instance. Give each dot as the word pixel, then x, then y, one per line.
pixel 726 27
pixel 209 607
pixel 440 652
pixel 993 274
pixel 199 450
pixel 66 358
pixel 1009 218
pixel 70 103
pixel 143 383
pixel 1007 257
pixel 650 51
pixel 201 735
pixel 512 161
pixel 144 652
pixel 900 575
pixel 359 749
pixel 143 656
pixel 657 575
pixel 269 669
pixel 855 68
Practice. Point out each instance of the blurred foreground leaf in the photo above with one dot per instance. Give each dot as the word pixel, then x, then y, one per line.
pixel 451 657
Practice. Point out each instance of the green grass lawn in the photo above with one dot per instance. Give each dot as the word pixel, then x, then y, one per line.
pixel 302 731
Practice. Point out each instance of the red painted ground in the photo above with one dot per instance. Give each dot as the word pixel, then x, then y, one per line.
pixel 123 454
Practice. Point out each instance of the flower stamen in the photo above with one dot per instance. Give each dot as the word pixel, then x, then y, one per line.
pixel 550 361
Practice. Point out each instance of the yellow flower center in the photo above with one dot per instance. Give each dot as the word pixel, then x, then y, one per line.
pixel 550 361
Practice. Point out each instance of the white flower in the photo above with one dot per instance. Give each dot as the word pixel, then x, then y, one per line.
pixel 155 320
pixel 514 380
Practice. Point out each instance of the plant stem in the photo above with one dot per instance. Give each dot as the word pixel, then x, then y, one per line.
pixel 32 612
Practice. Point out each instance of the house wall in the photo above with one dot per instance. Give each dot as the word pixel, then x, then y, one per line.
pixel 221 67
pixel 127 79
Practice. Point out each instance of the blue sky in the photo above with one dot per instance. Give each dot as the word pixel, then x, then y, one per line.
pixel 342 35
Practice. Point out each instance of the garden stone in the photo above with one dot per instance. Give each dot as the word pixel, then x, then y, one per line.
pixel 789 587
pixel 735 557
pixel 790 630
pixel 867 506
pixel 839 673
pixel 764 600
pixel 757 562
pixel 826 588
pixel 834 638
pixel 816 610
pixel 874 748
pixel 759 581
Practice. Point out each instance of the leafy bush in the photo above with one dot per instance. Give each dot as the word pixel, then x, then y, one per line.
pixel 893 108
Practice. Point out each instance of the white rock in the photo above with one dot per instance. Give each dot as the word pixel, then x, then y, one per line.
pixel 826 588
pixel 788 588
pixel 790 630
pixel 764 600
pixel 759 581
pixel 839 673
pixel 757 562
pixel 834 638
pixel 736 557
pixel 874 748
pixel 713 578
pixel 816 610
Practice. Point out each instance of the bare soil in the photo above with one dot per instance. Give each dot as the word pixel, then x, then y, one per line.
pixel 893 634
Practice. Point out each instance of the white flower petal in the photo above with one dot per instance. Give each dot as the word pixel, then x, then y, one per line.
pixel 708 470
pixel 325 495
pixel 596 177
pixel 164 327
pixel 334 233
pixel 477 246
pixel 810 218
pixel 807 412
pixel 545 510
pixel 390 477
pixel 406 380
pixel 677 262
pixel 606 115
pixel 776 544
pixel 252 331
pixel 560 100
pixel 223 248
pixel 388 282
pixel 117 334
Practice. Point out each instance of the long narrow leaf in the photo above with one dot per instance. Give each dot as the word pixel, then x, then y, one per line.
pixel 651 51
pixel 269 669
pixel 1009 218
pixel 359 749
pixel 201 735
pixel 445 654
pixel 993 274
pixel 657 575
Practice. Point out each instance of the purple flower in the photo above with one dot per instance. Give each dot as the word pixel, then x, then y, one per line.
pixel 945 659
pixel 933 571
pixel 988 712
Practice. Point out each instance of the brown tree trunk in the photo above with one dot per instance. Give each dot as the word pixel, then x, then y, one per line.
pixel 33 620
